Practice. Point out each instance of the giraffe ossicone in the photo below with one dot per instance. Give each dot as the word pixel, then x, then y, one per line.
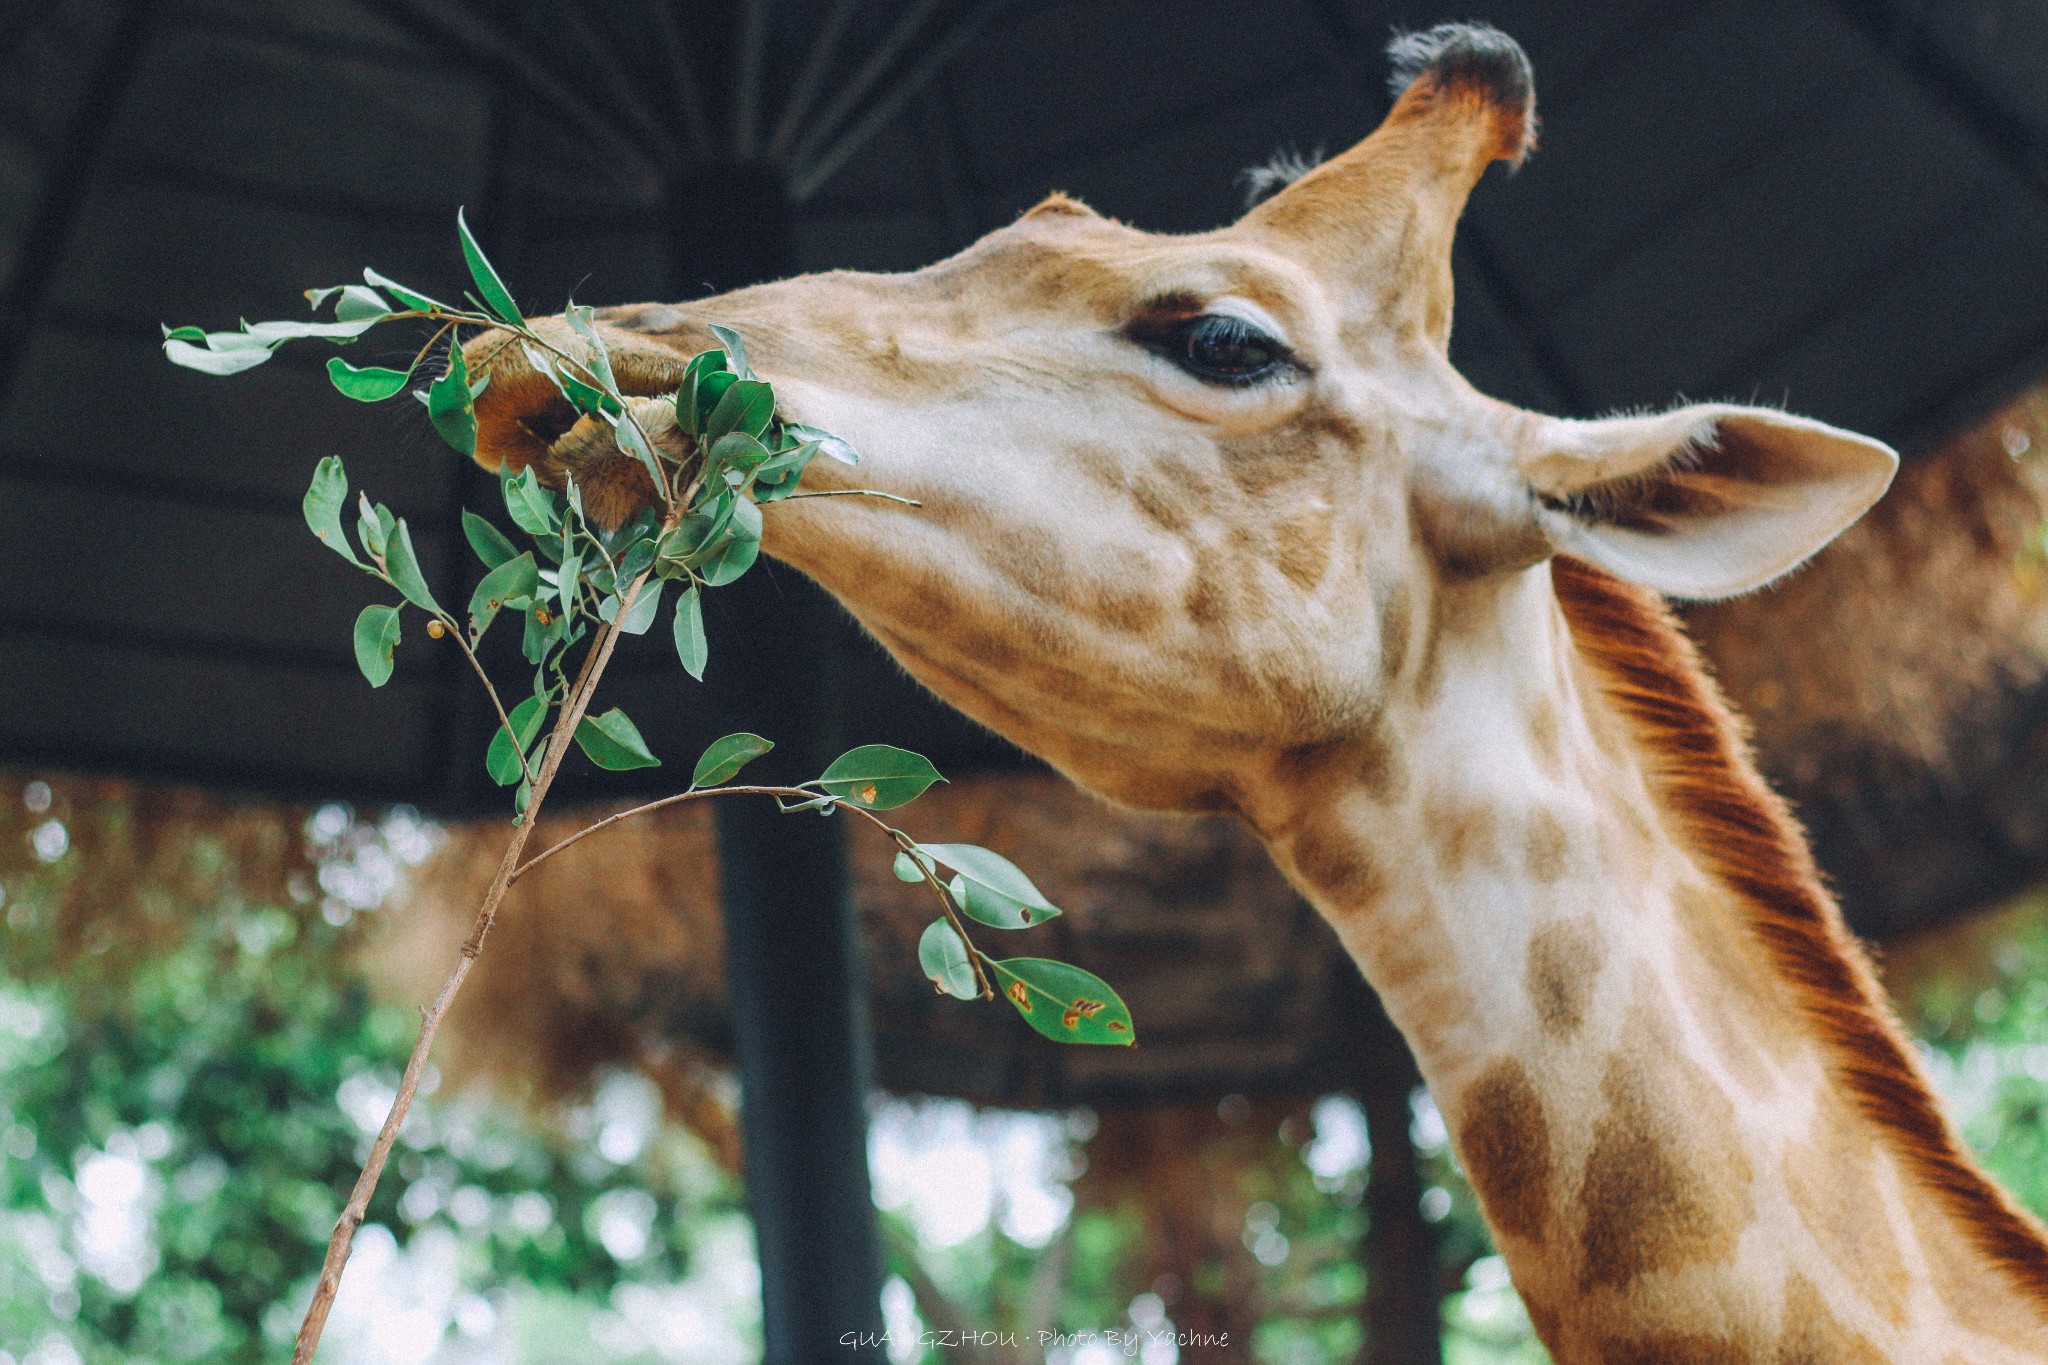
pixel 1209 522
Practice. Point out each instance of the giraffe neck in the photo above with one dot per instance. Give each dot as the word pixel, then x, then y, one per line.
pixel 1691 1126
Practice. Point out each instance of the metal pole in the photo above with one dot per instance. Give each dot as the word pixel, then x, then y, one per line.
pixel 794 963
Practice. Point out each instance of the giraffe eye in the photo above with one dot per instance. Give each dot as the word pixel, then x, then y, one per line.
pixel 1221 349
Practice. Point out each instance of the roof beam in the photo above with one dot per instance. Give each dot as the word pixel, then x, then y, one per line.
pixel 1948 85
pixel 67 180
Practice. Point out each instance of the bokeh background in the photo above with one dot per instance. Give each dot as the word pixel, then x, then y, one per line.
pixel 228 870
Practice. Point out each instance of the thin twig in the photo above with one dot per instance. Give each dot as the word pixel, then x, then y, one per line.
pixel 432 341
pixel 896 836
pixel 339 1243
pixel 691 795
pixel 974 954
pixel 485 678
pixel 855 493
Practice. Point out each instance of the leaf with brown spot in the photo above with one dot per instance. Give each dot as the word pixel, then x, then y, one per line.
pixel 991 888
pixel 1081 1008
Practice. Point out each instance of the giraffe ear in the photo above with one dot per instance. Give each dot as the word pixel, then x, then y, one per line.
pixel 1704 501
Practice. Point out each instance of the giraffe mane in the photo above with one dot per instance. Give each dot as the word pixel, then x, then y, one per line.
pixel 1701 766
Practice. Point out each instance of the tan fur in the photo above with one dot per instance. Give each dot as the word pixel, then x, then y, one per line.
pixel 1325 600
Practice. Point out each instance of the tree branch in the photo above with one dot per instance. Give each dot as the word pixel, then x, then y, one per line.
pixel 343 1237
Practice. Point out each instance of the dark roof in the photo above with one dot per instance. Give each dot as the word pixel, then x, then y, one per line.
pixel 1834 205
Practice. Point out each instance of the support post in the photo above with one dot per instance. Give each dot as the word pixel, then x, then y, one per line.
pixel 1403 1322
pixel 794 963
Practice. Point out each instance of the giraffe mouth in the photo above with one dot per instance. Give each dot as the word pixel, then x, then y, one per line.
pixel 614 484
pixel 524 422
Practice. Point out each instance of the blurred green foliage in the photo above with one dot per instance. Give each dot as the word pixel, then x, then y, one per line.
pixel 178 1141
pixel 190 1069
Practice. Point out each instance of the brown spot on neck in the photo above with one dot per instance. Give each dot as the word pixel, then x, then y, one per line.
pixel 1465 835
pixel 1667 1183
pixel 1332 861
pixel 1812 1335
pixel 1504 1142
pixel 1564 963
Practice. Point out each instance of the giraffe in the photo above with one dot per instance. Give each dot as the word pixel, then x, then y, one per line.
pixel 1210 523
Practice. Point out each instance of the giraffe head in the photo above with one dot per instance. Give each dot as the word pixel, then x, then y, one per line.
pixel 1189 501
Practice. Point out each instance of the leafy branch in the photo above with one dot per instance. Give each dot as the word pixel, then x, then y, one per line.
pixel 582 585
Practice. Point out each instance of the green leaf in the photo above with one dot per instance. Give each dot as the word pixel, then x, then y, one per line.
pixel 566 580
pixel 788 464
pixel 635 444
pixel 747 405
pixel 374 525
pixel 879 776
pixel 208 361
pixel 637 560
pixel 646 606
pixel 501 760
pixel 731 560
pixel 376 637
pixel 712 386
pixel 727 756
pixel 487 282
pixel 691 647
pixel 404 567
pixel 613 742
pixel 517 577
pixel 737 450
pixel 184 334
pixel 600 362
pixel 735 351
pixel 907 868
pixel 539 639
pixel 359 303
pixel 838 449
pixel 271 333
pixel 411 298
pixel 449 405
pixel 531 506
pixel 1063 1002
pixel 492 546
pixel 775 485
pixel 367 385
pixel 688 415
pixel 991 888
pixel 323 503
pixel 725 559
pixel 582 398
pixel 944 959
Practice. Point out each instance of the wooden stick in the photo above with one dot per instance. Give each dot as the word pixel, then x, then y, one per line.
pixel 343 1237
